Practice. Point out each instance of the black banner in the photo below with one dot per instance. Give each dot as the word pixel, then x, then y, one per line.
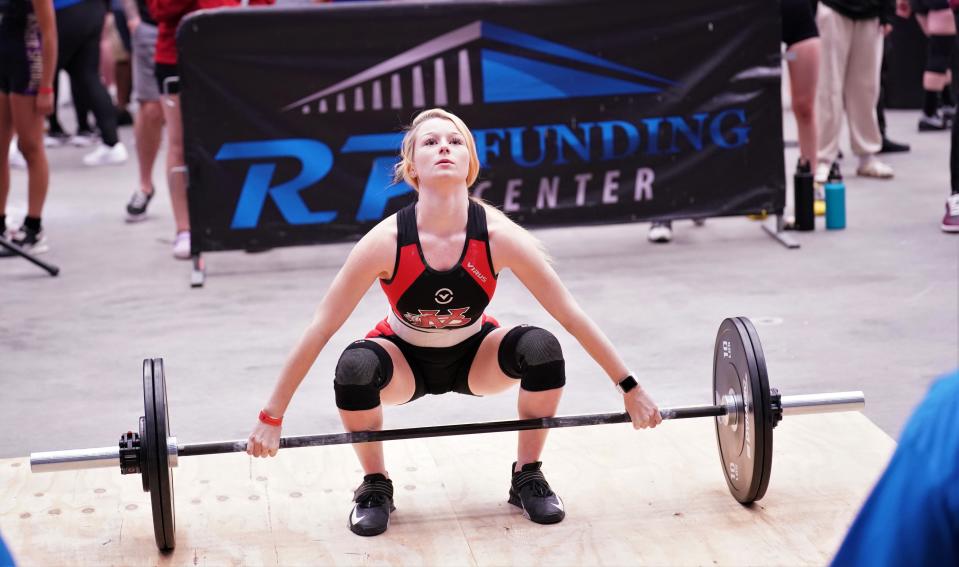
pixel 584 111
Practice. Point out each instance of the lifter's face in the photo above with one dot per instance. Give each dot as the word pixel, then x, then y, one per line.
pixel 440 154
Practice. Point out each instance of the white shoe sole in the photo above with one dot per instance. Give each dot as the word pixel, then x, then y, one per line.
pixel 33 251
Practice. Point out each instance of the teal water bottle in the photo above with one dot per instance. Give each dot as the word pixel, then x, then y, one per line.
pixel 835 199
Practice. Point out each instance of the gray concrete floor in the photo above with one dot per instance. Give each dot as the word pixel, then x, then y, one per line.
pixel 873 307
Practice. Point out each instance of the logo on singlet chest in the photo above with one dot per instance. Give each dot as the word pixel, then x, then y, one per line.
pixel 443 296
pixel 431 318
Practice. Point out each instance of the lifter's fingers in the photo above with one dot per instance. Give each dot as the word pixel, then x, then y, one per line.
pixel 657 417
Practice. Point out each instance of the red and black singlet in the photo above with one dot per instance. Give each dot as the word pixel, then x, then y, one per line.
pixel 432 307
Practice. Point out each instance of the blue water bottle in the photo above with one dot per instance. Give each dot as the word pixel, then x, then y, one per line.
pixel 835 199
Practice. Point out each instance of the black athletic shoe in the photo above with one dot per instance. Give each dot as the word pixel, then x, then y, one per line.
pixel 124 118
pixel 374 502
pixel 137 206
pixel 530 491
pixel 890 147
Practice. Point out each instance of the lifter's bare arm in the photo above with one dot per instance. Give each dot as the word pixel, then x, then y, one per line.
pixel 371 258
pixel 514 248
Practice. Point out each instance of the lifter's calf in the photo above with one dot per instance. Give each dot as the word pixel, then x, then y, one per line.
pixel 534 356
pixel 363 370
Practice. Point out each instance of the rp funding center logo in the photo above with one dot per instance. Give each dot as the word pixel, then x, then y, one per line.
pixel 514 67
pixel 576 163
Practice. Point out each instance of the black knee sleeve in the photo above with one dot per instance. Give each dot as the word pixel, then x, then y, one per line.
pixel 939 53
pixel 363 370
pixel 534 356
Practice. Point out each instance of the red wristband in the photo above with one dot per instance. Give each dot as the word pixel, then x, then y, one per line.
pixel 45 90
pixel 270 420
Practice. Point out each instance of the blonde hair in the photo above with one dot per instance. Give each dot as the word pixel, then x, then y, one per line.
pixel 404 168
pixel 403 171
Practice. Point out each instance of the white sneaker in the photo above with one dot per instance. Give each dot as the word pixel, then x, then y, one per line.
pixel 106 155
pixel 55 141
pixel 660 232
pixel 950 222
pixel 83 139
pixel 17 160
pixel 822 173
pixel 870 166
pixel 28 241
pixel 181 245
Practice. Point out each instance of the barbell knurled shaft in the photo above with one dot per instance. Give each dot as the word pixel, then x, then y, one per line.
pixel 692 411
pixel 448 430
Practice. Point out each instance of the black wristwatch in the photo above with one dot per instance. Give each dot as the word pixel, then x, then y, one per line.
pixel 627 384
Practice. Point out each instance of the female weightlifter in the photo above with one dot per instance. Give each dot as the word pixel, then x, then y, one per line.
pixel 437 261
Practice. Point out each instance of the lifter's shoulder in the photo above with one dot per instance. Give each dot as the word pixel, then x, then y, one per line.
pixel 378 247
pixel 507 240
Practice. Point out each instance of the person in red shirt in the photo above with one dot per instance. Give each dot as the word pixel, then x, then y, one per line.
pixel 168 14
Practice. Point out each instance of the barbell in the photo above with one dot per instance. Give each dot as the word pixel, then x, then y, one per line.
pixel 744 407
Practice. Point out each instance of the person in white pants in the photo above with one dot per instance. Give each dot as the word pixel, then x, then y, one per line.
pixel 851 33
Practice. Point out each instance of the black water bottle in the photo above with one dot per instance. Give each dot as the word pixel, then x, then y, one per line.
pixel 803 196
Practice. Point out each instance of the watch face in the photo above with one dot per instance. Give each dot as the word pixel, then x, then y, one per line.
pixel 626 384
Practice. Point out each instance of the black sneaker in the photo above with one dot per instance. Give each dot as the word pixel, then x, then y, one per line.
pixel 137 207
pixel 890 147
pixel 374 502
pixel 530 491
pixel 30 241
pixel 124 118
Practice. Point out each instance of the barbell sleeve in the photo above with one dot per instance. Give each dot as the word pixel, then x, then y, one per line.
pixel 823 403
pixel 75 459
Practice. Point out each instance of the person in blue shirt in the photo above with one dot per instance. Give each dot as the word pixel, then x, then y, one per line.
pixel 6 560
pixel 912 515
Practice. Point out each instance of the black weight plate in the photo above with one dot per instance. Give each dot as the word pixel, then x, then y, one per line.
pixel 745 442
pixel 763 411
pixel 165 480
pixel 148 447
pixel 155 454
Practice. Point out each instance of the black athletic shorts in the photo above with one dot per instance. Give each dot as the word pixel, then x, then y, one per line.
pixel 438 370
pixel 164 72
pixel 21 63
pixel 798 21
